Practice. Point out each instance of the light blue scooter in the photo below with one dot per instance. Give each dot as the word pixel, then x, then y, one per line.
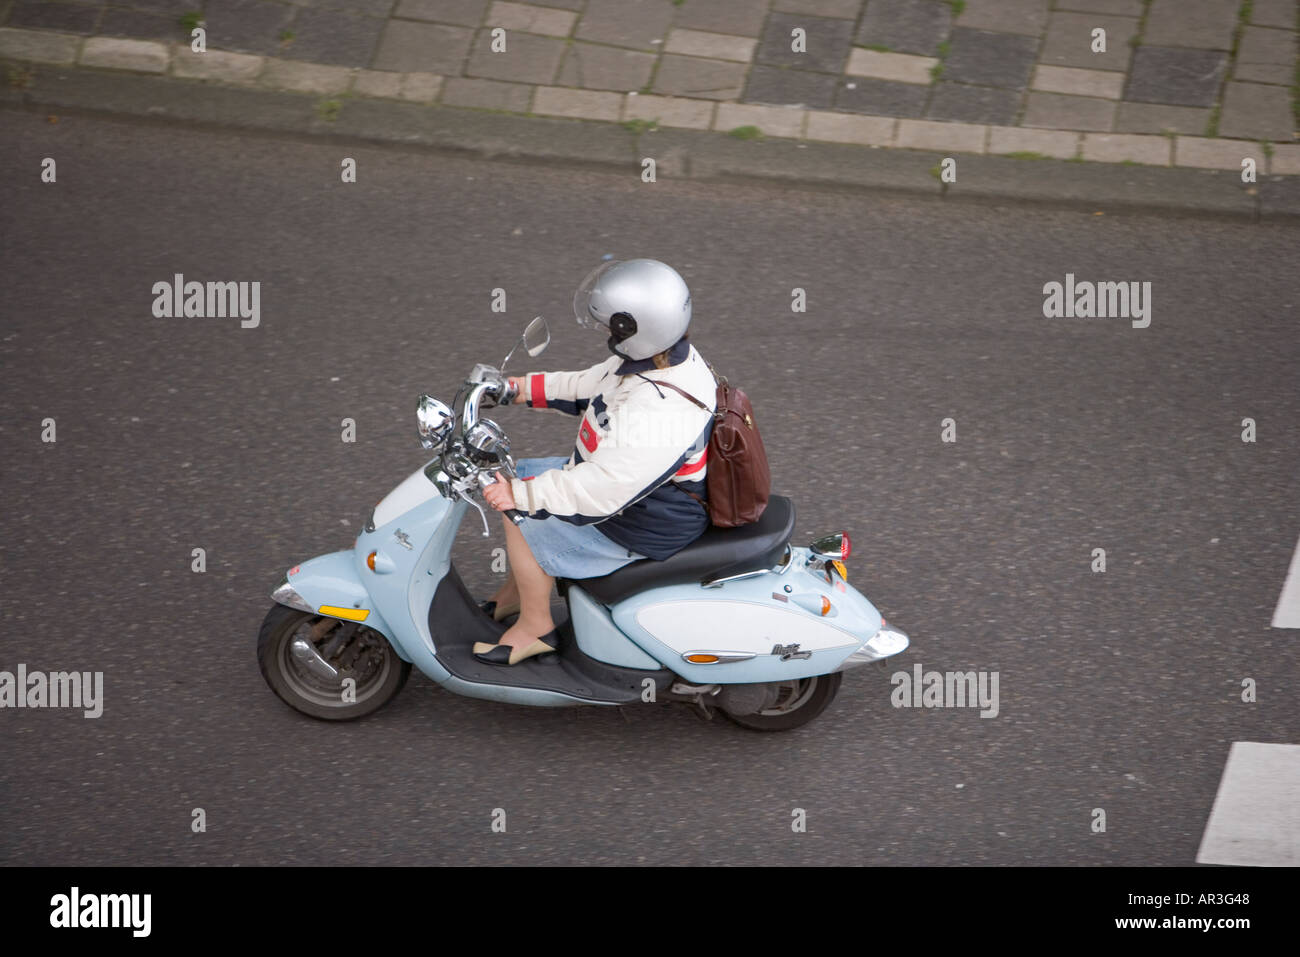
pixel 739 622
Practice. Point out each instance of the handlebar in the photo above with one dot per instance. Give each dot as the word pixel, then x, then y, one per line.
pixel 469 417
pixel 513 514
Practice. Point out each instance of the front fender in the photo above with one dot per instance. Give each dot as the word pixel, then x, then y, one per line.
pixel 328 585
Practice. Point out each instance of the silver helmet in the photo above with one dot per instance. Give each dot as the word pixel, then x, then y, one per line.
pixel 642 304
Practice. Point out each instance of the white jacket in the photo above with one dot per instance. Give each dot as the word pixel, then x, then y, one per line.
pixel 641 448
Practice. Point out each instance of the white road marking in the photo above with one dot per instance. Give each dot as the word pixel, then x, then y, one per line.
pixel 1287 613
pixel 1256 816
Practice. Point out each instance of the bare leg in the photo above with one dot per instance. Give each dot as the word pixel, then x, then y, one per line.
pixel 534 587
pixel 508 593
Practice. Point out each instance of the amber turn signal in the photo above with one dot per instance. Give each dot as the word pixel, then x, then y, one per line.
pixel 370 561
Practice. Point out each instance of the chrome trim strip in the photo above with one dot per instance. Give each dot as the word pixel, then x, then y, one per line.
pixel 717 582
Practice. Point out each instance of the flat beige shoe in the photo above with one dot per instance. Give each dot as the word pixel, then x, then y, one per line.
pixel 538 647
pixel 500 654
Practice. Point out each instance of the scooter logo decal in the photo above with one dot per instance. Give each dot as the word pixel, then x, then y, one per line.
pixel 402 539
pixel 790 651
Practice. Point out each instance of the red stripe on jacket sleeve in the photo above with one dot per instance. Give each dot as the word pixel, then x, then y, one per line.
pixel 538 381
pixel 692 469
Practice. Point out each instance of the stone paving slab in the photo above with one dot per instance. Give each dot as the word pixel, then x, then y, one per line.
pixel 881 97
pixel 1201 24
pixel 464 13
pixel 437 48
pixel 719 46
pixel 1100 79
pixel 1058 144
pixel 487 94
pixel 900 67
pixel 1256 111
pixel 991 59
pixel 626 23
pixel 972 104
pixel 1028 17
pixel 598 67
pixel 767 84
pixel 1274 13
pixel 1128 148
pixel 306 77
pixel 826 43
pixel 1285 160
pixel 700 78
pixel 906 27
pixel 675 111
pixel 1217 154
pixel 742 17
pixel 1065 79
pixel 1060 111
pixel 1159 118
pixel 35 46
pixel 1069 40
pixel 1176 76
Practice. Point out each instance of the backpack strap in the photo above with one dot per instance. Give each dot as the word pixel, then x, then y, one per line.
pixel 659 382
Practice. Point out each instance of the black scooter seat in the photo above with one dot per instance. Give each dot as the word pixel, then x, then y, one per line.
pixel 718 553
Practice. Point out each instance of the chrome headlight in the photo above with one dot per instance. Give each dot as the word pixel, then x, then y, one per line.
pixel 434 422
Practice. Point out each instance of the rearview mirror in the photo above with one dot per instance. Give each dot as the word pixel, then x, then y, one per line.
pixel 536 337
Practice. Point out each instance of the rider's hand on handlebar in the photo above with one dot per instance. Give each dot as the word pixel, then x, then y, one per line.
pixel 517 386
pixel 499 495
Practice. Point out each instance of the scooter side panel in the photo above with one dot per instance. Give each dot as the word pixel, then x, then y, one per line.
pixel 412 554
pixel 415 490
pixel 599 637
pixel 752 617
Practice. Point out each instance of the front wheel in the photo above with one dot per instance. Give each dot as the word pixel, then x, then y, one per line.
pixel 798 702
pixel 329 669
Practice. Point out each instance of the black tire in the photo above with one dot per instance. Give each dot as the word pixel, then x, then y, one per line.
pixel 362 654
pixel 801 703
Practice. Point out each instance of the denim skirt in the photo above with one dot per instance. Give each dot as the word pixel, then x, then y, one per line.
pixel 565 550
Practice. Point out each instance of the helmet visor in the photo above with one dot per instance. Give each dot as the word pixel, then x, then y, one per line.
pixel 588 306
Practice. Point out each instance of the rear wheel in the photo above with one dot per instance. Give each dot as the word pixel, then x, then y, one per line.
pixel 798 702
pixel 327 668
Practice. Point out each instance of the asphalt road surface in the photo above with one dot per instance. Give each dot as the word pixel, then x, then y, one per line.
pixel 1118 690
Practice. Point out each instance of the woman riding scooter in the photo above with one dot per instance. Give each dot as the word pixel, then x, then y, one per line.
pixel 634 486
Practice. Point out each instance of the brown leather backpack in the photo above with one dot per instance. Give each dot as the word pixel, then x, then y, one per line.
pixel 738 479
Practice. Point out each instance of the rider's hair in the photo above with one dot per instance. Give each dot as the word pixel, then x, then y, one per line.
pixel 660 359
